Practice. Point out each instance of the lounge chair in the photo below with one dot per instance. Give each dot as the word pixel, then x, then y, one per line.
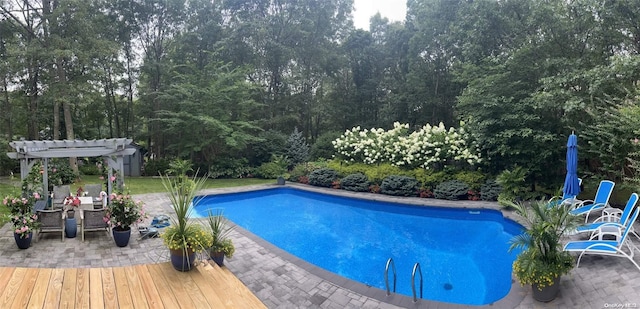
pixel 611 220
pixel 94 190
pixel 51 221
pixel 59 194
pixel 598 203
pixel 607 247
pixel 92 221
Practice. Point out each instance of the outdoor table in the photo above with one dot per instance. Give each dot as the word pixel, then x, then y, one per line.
pixel 86 202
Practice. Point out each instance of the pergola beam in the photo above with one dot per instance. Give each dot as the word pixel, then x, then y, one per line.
pixel 113 150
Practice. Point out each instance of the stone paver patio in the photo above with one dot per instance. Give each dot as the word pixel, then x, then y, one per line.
pixel 284 281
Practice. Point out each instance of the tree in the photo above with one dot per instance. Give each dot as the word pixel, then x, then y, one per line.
pixel 297 150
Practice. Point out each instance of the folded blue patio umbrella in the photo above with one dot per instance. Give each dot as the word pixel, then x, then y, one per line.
pixel 571 186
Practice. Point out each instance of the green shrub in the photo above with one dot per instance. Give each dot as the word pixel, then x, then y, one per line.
pixel 60 172
pixel 399 185
pixel 322 147
pixel 302 169
pixel 451 190
pixel 513 183
pixel 430 178
pixel 323 177
pixel 355 182
pixel 375 173
pixel 7 165
pixel 490 190
pixel 89 169
pixel 474 179
pixel 271 170
pixel 230 168
pixel 156 167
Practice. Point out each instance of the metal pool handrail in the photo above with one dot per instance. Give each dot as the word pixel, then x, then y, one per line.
pixel 386 275
pixel 413 281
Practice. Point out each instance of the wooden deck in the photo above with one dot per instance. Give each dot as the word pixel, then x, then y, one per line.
pixel 142 286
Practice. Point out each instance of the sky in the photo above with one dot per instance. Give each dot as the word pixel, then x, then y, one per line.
pixel 394 10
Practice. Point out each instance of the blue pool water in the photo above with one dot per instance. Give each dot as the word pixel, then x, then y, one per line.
pixel 463 253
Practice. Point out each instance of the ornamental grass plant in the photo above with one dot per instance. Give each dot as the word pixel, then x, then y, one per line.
pixel 184 233
pixel 542 259
pixel 220 230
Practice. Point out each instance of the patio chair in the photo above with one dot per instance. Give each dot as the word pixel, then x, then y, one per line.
pixel 607 247
pixel 598 203
pixel 93 221
pixel 59 194
pixel 94 190
pixel 51 221
pixel 614 219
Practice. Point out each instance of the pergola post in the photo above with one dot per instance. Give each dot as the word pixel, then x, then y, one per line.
pixel 45 176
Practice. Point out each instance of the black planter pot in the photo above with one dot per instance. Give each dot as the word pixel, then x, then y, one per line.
pixel 23 242
pixel 217 257
pixel 547 293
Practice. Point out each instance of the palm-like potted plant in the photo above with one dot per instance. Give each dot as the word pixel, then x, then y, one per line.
pixel 184 237
pixel 542 260
pixel 221 244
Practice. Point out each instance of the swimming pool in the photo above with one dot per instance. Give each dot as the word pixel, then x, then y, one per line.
pixel 462 252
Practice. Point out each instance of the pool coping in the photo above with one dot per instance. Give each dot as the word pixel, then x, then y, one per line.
pixel 515 296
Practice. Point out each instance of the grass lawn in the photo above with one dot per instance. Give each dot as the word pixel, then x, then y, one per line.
pixel 133 185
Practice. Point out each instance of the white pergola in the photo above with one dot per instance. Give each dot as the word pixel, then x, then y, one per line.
pixel 112 150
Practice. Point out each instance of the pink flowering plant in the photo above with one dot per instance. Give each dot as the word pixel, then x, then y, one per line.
pixel 24 224
pixel 123 211
pixel 72 202
pixel 24 221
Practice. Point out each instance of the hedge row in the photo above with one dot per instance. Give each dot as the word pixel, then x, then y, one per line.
pixel 403 183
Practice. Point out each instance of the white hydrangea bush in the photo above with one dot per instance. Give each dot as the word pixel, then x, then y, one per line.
pixel 428 147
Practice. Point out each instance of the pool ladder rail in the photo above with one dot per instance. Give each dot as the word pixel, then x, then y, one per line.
pixel 416 268
pixel 386 276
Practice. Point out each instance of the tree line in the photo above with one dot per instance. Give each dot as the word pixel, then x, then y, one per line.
pixel 225 82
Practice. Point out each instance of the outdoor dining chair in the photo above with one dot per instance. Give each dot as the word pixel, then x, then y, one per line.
pixel 59 194
pixel 51 221
pixel 92 220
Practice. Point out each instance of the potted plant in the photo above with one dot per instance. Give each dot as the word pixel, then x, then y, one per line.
pixel 184 237
pixel 23 220
pixel 542 260
pixel 221 244
pixel 121 213
pixel 71 203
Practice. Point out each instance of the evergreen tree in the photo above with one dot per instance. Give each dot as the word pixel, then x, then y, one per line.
pixel 297 148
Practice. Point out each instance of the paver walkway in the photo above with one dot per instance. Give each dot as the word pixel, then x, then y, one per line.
pixel 283 281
